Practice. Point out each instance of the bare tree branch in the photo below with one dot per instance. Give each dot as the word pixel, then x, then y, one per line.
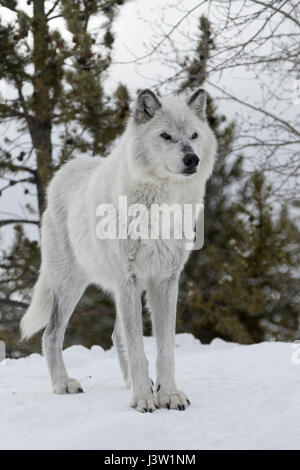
pixel 167 36
pixel 278 10
pixel 18 221
pixel 51 10
pixel 256 108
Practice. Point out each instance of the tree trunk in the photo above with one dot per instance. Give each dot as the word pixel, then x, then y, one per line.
pixel 40 123
pixel 40 132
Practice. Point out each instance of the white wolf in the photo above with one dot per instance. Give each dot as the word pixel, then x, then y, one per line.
pixel 165 155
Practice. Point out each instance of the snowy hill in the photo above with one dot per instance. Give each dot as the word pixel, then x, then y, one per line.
pixel 243 397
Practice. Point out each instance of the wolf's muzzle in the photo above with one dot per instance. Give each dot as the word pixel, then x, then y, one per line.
pixel 191 162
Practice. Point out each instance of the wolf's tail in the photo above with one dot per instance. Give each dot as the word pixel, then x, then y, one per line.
pixel 39 311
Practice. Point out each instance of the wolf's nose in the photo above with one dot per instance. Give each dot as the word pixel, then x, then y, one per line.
pixel 190 160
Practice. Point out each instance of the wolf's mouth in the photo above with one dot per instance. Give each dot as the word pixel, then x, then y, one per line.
pixel 189 171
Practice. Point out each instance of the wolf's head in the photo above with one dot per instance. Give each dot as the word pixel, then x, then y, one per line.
pixel 171 137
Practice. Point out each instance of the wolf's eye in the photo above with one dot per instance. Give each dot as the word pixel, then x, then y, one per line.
pixel 194 136
pixel 165 136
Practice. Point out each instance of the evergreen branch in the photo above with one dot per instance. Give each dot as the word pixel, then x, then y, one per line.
pixel 54 17
pixel 18 221
pixel 12 167
pixel 7 281
pixel 14 182
pixel 10 5
pixel 13 303
pixel 9 112
pixel 21 98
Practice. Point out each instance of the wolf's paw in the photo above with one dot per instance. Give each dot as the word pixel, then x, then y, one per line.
pixel 173 401
pixel 144 404
pixel 68 386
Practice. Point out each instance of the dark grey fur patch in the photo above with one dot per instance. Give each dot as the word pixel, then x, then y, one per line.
pixel 198 103
pixel 146 106
pixel 186 148
pixel 54 318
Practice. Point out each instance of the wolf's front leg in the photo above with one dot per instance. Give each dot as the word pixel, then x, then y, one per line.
pixel 129 310
pixel 162 298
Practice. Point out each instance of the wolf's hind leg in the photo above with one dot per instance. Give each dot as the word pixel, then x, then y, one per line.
pixel 65 300
pixel 119 341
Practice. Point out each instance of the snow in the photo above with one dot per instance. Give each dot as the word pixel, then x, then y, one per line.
pixel 243 397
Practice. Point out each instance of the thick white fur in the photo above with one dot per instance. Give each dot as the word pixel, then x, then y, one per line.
pixel 38 314
pixel 147 169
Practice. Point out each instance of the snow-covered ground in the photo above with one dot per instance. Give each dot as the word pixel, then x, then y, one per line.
pixel 243 397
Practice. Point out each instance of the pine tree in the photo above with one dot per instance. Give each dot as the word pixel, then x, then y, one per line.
pixel 56 75
pixel 241 285
pixel 266 280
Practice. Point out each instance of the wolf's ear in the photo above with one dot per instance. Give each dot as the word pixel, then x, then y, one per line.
pixel 198 103
pixel 146 106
